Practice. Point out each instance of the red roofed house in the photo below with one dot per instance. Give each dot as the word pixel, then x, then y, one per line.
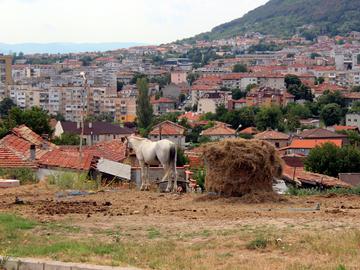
pixel 278 139
pixel 219 132
pixel 303 147
pixel 322 134
pixel 170 131
pixel 249 131
pixel 163 105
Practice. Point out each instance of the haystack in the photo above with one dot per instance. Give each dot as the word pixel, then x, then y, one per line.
pixel 237 167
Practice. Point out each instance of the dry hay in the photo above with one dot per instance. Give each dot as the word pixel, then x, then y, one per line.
pixel 237 167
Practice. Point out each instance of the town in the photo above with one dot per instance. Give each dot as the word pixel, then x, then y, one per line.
pixel 236 148
pixel 295 93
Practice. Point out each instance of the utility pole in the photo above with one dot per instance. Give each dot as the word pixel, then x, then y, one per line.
pixel 83 74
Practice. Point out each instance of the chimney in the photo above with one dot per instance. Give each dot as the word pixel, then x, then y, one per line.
pixel 90 124
pixel 32 152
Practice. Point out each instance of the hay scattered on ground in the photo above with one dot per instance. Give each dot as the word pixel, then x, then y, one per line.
pixel 237 167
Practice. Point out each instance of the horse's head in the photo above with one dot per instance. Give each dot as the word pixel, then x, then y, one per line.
pixel 131 141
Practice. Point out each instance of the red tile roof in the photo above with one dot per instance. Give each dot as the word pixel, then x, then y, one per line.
pixel 9 159
pixel 310 144
pixel 162 100
pixel 190 116
pixel 320 133
pixel 311 178
pixel 66 159
pixel 341 128
pixel 69 157
pixel 221 129
pixel 250 131
pixel 168 128
pixel 272 135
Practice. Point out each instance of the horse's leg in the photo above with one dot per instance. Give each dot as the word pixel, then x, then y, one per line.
pixel 166 177
pixel 175 179
pixel 147 183
pixel 142 165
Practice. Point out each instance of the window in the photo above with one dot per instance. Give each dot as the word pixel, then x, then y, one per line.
pixel 277 145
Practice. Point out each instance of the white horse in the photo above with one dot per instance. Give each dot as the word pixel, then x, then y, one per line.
pixel 149 153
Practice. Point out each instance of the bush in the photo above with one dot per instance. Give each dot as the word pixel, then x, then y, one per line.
pixel 259 243
pixel 25 175
pixel 199 176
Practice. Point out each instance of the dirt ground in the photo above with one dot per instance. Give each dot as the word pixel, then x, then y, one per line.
pixel 228 224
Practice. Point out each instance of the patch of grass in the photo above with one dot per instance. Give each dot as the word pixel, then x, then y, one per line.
pixel 153 233
pixel 73 181
pixel 24 175
pixel 315 191
pixel 259 243
pixel 341 267
pixel 10 222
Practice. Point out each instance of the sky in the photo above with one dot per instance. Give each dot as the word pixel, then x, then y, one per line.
pixel 143 21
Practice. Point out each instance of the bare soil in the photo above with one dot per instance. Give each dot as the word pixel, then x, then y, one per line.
pixel 173 214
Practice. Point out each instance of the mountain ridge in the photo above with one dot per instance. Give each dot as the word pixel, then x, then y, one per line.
pixel 288 17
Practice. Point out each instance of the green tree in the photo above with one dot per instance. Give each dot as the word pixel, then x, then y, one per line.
pixel 355 88
pixel 331 114
pixel 67 139
pixel 319 80
pixel 144 110
pixel 329 97
pixel 59 117
pixel 138 76
pixel 35 118
pixel 5 106
pixel 240 68
pixel 314 55
pixel 268 117
pixel 300 92
pixel 297 110
pixel 291 79
pixel 355 107
pixel 331 160
pixel 324 159
pixel 192 77
pixel 237 94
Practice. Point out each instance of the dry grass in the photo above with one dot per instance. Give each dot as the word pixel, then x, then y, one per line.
pixel 242 247
pixel 236 167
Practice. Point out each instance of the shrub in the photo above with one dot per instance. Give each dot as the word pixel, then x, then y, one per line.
pixel 69 180
pixel 25 175
pixel 199 176
pixel 259 243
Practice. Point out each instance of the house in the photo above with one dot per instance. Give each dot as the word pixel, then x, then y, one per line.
pixel 220 131
pixel 170 131
pixel 163 105
pixel 344 128
pixel 278 139
pixel 266 96
pixel 303 147
pixel 321 134
pixel 94 132
pixel 310 122
pixel 26 144
pixel 249 131
pixel 236 104
pixel 353 119
pixel 172 91
pixel 210 101
pixel 69 158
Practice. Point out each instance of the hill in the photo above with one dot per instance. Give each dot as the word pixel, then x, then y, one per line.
pixel 287 17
